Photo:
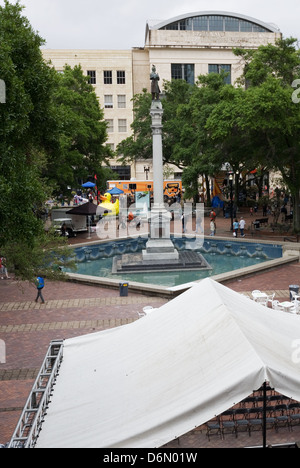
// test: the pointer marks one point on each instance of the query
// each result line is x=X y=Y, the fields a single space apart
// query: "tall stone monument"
x=160 y=253
x=159 y=248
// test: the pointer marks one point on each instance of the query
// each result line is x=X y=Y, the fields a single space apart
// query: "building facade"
x=181 y=48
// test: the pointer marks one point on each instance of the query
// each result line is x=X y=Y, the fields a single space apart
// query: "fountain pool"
x=222 y=255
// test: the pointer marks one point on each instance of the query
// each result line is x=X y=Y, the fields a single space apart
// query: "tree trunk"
x=207 y=184
x=296 y=212
x=196 y=196
x=237 y=189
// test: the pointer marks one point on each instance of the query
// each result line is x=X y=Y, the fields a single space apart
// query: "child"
x=212 y=227
x=235 y=228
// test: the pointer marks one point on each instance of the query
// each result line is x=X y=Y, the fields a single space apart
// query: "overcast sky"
x=120 y=24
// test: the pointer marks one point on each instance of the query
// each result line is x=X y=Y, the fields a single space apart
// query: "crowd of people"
x=237 y=227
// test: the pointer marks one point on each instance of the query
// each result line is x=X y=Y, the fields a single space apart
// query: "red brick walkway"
x=71 y=310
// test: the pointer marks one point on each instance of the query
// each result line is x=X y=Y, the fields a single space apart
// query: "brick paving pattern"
x=72 y=310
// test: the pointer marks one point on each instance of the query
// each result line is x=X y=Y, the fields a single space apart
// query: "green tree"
x=186 y=141
x=192 y=146
x=28 y=128
x=139 y=144
x=25 y=123
x=80 y=150
x=264 y=114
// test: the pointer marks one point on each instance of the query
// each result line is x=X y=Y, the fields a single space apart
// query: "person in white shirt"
x=242 y=226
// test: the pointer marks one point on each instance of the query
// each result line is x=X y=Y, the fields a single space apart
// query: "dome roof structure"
x=214 y=21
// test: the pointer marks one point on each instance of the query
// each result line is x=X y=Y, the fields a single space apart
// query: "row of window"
x=108 y=77
x=215 y=23
x=178 y=71
x=109 y=101
x=122 y=125
x=186 y=71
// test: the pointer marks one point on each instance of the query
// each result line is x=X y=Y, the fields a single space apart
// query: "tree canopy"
x=264 y=115
x=52 y=133
x=79 y=150
x=251 y=125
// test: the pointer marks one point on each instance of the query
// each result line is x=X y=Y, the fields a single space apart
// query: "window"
x=121 y=101
x=245 y=26
x=107 y=74
x=122 y=125
x=186 y=24
x=108 y=101
x=231 y=24
x=200 y=23
x=219 y=68
x=257 y=28
x=110 y=125
x=216 y=23
x=92 y=76
x=183 y=71
x=111 y=146
x=120 y=77
x=172 y=26
x=124 y=172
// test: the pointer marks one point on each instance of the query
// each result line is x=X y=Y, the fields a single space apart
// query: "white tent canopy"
x=143 y=384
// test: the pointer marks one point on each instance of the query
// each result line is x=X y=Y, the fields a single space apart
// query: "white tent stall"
x=148 y=382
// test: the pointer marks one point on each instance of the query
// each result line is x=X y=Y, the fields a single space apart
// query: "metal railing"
x=32 y=417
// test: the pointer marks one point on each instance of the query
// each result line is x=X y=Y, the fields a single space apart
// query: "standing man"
x=40 y=283
x=242 y=226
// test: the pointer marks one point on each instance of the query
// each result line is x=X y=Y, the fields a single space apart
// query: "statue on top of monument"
x=154 y=77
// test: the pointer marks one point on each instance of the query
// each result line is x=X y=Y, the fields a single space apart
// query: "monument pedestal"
x=159 y=248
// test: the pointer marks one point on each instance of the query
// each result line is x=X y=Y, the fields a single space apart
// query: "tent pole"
x=265 y=415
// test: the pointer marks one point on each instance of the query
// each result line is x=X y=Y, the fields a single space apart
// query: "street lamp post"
x=146 y=170
x=230 y=177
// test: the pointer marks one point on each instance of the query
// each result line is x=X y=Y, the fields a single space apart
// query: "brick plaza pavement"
x=71 y=310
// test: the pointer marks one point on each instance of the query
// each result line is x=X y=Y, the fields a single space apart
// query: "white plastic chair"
x=293 y=310
x=254 y=294
x=148 y=309
x=262 y=301
x=259 y=297
x=276 y=305
x=295 y=296
x=270 y=298
x=297 y=305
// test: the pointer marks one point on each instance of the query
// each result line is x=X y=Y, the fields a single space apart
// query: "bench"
x=260 y=221
x=256 y=225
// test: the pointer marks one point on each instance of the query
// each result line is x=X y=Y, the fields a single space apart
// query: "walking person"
x=242 y=226
x=40 y=283
x=235 y=228
x=3 y=269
